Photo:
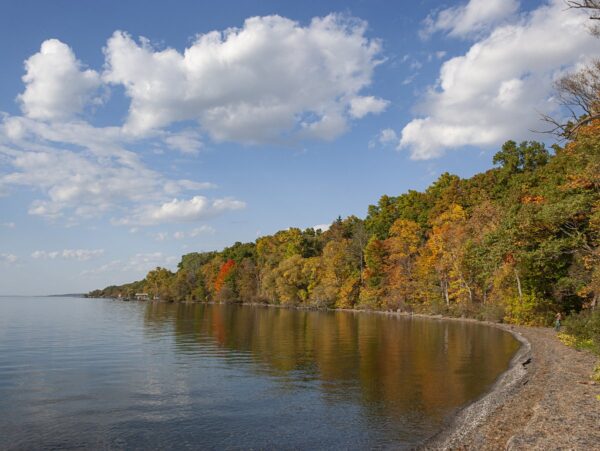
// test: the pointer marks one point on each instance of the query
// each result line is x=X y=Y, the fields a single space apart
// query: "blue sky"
x=133 y=132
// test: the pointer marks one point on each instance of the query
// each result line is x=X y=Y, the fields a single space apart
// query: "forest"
x=517 y=243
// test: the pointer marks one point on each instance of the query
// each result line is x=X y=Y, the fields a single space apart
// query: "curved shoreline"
x=458 y=432
x=548 y=403
x=476 y=413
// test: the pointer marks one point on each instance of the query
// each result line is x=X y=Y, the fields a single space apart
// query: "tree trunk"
x=361 y=268
x=444 y=286
x=519 y=285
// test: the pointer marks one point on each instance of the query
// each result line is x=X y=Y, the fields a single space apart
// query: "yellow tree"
x=337 y=265
x=158 y=282
x=271 y=251
x=443 y=254
x=402 y=247
x=373 y=290
x=295 y=278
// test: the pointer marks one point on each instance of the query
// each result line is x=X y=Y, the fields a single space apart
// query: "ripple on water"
x=92 y=373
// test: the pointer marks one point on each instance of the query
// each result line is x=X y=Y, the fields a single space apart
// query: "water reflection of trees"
x=394 y=365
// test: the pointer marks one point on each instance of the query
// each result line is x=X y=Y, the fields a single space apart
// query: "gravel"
x=548 y=404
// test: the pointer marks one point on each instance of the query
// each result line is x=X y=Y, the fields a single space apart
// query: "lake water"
x=105 y=374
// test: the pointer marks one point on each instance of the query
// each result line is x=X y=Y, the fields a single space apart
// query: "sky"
x=134 y=132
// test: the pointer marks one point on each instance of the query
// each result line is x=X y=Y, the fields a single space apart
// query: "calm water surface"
x=94 y=373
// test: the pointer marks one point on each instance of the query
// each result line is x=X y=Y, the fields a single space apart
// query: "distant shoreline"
x=69 y=295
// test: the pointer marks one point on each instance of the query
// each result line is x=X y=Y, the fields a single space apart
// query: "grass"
x=582 y=330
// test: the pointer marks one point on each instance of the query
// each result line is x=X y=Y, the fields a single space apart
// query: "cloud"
x=182 y=234
x=68 y=254
x=498 y=88
x=361 y=106
x=8 y=225
x=139 y=264
x=75 y=182
x=273 y=79
x=268 y=79
x=8 y=259
x=203 y=229
x=469 y=19
x=176 y=210
x=187 y=142
x=408 y=80
x=57 y=85
x=322 y=227
x=80 y=171
x=385 y=137
x=415 y=65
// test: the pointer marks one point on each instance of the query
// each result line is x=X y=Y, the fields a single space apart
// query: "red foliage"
x=225 y=270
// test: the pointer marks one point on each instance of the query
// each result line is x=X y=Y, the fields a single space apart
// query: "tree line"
x=516 y=243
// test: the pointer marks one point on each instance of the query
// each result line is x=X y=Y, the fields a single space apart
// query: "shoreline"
x=465 y=422
x=473 y=415
x=548 y=403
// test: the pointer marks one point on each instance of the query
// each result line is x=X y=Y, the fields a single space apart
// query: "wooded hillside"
x=517 y=243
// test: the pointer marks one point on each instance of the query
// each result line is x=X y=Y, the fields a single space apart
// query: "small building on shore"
x=142 y=296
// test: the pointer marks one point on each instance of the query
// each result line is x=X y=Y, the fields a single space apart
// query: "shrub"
x=492 y=312
x=529 y=310
x=596 y=374
x=584 y=328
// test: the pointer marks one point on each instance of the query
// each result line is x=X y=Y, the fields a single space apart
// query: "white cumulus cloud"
x=470 y=18
x=269 y=78
x=497 y=90
x=57 y=85
x=181 y=210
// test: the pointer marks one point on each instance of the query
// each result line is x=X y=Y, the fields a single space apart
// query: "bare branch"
x=583 y=122
x=593 y=7
x=579 y=94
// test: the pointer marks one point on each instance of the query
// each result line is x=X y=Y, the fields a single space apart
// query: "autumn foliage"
x=516 y=243
x=224 y=273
